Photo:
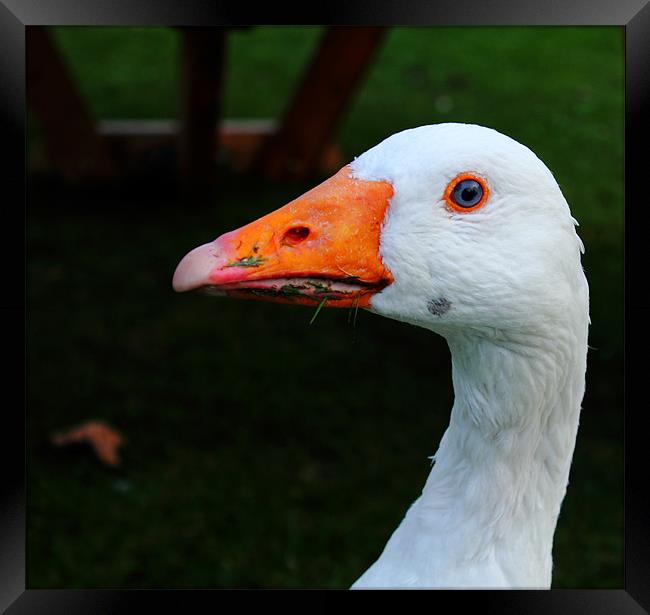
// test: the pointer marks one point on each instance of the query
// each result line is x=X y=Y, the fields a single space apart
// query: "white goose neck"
x=488 y=511
x=503 y=463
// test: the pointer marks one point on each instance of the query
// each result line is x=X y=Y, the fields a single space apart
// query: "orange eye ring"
x=449 y=192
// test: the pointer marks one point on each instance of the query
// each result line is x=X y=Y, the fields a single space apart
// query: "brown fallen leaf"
x=104 y=440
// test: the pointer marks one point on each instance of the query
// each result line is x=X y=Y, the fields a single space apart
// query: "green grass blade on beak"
x=356 y=311
x=318 y=309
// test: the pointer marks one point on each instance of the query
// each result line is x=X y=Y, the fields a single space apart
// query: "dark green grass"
x=261 y=451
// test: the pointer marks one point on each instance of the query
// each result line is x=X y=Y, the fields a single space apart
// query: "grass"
x=261 y=451
x=318 y=309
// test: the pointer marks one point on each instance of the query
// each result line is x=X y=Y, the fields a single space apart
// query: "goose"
x=461 y=230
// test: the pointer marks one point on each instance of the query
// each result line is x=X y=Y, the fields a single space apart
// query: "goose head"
x=452 y=227
x=463 y=231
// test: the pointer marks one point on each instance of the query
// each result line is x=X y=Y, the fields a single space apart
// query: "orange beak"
x=323 y=245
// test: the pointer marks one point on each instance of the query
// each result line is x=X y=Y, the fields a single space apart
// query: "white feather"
x=516 y=325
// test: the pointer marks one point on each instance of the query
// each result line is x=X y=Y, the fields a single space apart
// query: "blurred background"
x=257 y=450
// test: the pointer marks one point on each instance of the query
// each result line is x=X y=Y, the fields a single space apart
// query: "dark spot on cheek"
x=438 y=306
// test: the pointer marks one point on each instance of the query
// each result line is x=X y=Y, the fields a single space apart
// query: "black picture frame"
x=15 y=15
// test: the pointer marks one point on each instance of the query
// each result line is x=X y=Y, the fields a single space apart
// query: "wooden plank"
x=202 y=62
x=66 y=124
x=237 y=142
x=326 y=90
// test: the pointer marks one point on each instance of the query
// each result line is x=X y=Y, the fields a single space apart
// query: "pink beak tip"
x=195 y=267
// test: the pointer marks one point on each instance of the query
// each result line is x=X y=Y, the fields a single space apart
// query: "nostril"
x=295 y=235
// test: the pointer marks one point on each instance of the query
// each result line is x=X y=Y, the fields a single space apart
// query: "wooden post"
x=68 y=128
x=203 y=51
x=325 y=92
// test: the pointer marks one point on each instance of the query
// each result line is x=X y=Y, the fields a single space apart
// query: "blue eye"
x=467 y=193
